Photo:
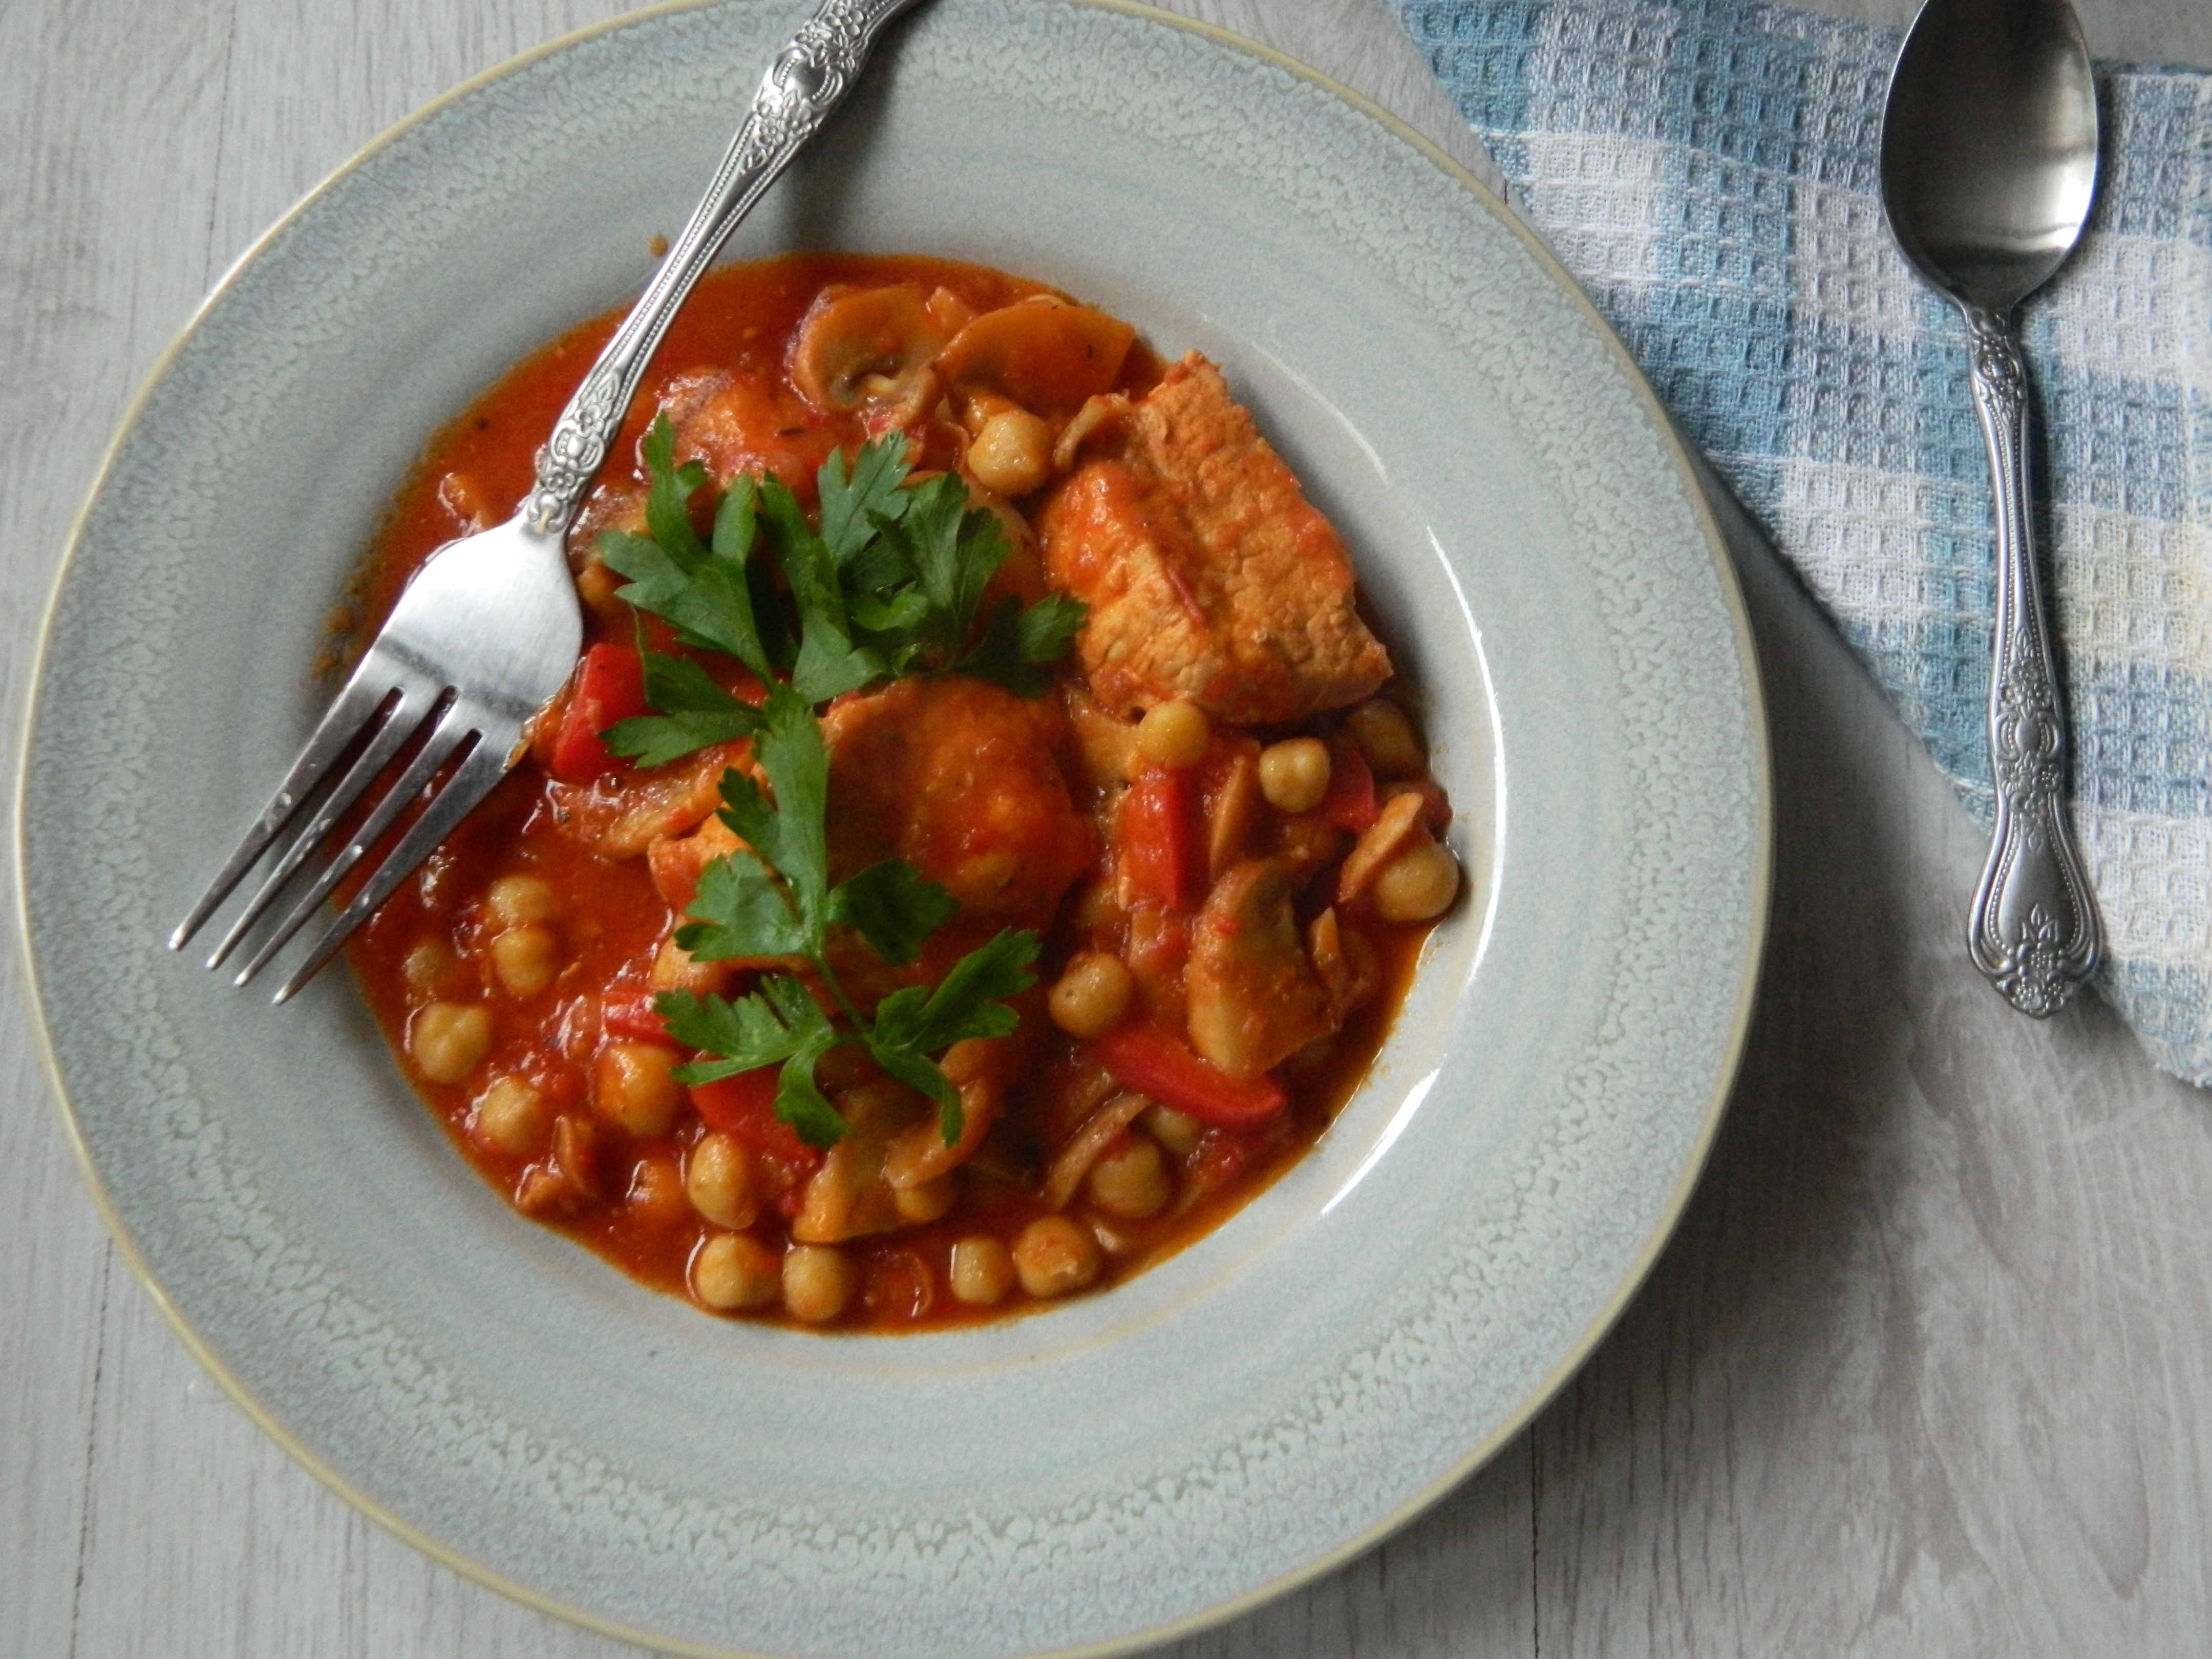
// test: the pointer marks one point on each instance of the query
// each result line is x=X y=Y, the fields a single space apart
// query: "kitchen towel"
x=1708 y=171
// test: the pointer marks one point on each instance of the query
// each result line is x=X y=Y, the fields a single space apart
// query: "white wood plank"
x=312 y=82
x=104 y=254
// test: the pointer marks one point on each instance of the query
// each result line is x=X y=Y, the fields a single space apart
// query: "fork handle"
x=804 y=81
x=2034 y=930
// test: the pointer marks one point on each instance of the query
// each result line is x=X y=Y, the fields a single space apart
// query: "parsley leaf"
x=855 y=505
x=702 y=588
x=741 y=911
x=937 y=557
x=891 y=907
x=912 y=1025
x=829 y=662
x=695 y=714
x=965 y=1003
x=1019 y=641
x=890 y=584
x=780 y=1023
x=789 y=836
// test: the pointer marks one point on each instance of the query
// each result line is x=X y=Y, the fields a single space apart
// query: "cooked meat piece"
x=1208 y=574
x=963 y=780
x=621 y=815
x=737 y=426
x=677 y=861
x=1254 y=997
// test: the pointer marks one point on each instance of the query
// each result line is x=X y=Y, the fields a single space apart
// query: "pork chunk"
x=963 y=780
x=1209 y=574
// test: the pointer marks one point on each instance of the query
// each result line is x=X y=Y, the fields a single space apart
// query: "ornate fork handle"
x=806 y=81
x=2034 y=930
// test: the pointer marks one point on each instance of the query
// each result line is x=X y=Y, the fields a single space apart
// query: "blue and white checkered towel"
x=1708 y=169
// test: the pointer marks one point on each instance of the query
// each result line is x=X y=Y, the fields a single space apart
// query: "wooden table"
x=1927 y=1371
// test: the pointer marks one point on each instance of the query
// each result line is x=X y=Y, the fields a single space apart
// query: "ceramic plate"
x=1125 y=1468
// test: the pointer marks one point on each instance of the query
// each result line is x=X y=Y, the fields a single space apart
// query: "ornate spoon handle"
x=2034 y=930
x=807 y=80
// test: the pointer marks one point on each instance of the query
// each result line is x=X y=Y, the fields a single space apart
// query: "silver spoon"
x=1989 y=160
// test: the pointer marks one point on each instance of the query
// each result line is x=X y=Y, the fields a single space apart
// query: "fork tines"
x=383 y=710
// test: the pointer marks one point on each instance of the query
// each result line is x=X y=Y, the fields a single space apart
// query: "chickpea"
x=1294 y=774
x=513 y=899
x=1178 y=1132
x=426 y=965
x=734 y=1270
x=1011 y=454
x=449 y=1040
x=1092 y=995
x=1130 y=1182
x=1174 y=734
x=1386 y=737
x=1418 y=882
x=525 y=959
x=925 y=1200
x=982 y=1272
x=673 y=970
x=634 y=1089
x=719 y=1179
x=597 y=585
x=512 y=1115
x=1054 y=1255
x=656 y=1192
x=818 y=1280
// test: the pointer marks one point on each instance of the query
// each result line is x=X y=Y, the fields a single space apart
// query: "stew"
x=983 y=844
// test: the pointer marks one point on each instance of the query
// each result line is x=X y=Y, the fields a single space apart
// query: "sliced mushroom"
x=1097 y=415
x=1103 y=738
x=1345 y=961
x=1047 y=354
x=1254 y=997
x=579 y=1172
x=1084 y=1147
x=1398 y=822
x=870 y=346
x=1234 y=813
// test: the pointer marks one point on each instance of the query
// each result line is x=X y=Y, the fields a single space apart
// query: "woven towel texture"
x=1708 y=169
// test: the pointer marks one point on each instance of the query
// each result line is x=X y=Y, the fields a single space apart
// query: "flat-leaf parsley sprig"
x=773 y=898
x=892 y=584
x=889 y=580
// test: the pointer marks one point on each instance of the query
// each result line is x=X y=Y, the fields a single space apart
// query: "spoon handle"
x=2034 y=930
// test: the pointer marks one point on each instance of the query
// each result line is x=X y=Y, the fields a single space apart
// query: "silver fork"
x=486 y=632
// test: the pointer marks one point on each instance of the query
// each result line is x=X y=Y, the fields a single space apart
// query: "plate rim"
x=1679 y=457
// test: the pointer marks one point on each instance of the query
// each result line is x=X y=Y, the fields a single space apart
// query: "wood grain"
x=1925 y=1370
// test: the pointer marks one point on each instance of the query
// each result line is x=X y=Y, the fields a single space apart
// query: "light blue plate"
x=1131 y=1466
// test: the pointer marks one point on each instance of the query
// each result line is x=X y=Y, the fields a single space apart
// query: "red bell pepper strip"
x=628 y=1011
x=1159 y=836
x=1154 y=1063
x=744 y=1108
x=741 y=1105
x=1350 y=802
x=609 y=689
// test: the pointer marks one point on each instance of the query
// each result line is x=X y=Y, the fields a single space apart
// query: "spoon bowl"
x=1988 y=146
